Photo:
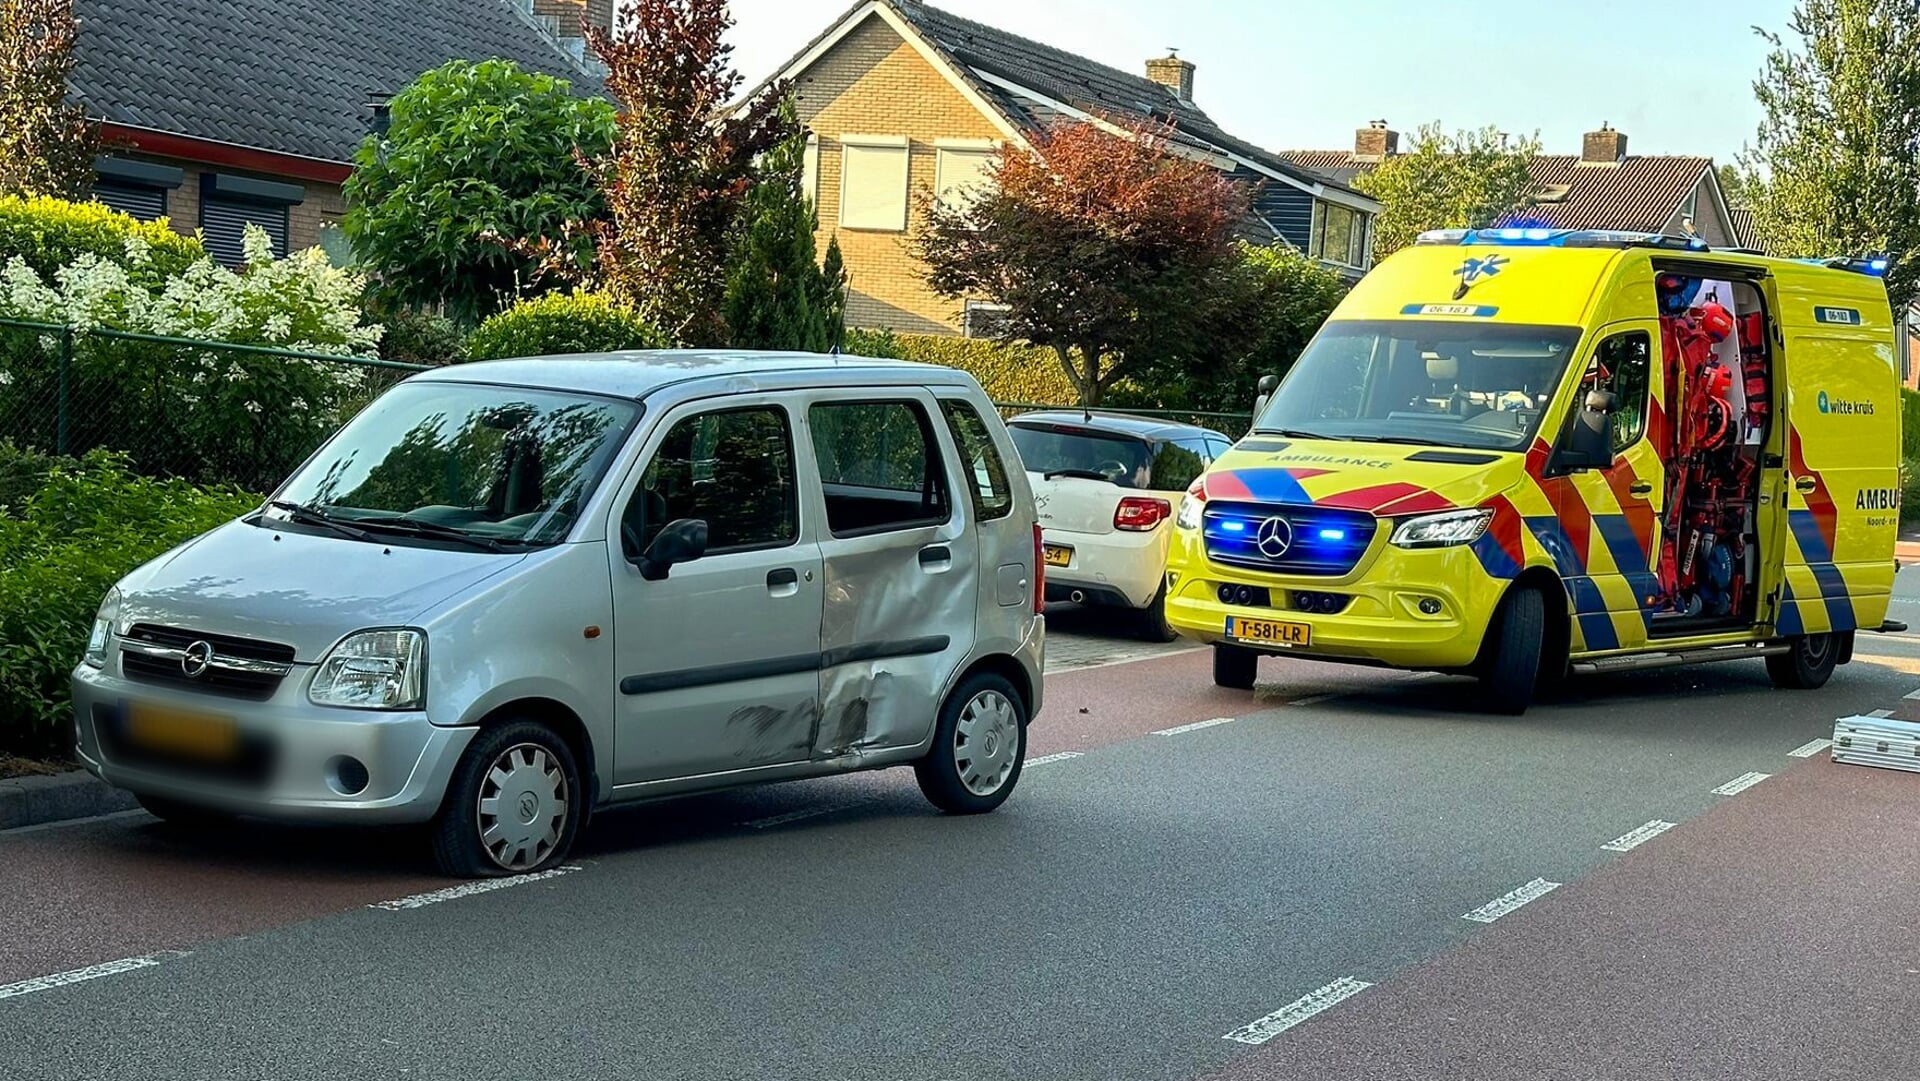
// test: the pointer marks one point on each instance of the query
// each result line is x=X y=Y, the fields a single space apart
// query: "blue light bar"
x=1561 y=238
x=1333 y=534
x=1873 y=266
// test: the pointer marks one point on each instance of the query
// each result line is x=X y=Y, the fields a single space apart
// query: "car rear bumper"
x=1122 y=568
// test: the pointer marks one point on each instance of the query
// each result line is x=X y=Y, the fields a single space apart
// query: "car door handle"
x=1806 y=484
x=783 y=582
x=935 y=554
x=1640 y=488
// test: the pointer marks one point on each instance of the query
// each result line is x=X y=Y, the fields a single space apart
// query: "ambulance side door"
x=1615 y=512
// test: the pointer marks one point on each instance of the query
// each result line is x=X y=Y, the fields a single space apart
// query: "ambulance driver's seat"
x=1445 y=370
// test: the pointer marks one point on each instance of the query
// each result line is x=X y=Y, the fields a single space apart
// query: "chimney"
x=1173 y=73
x=1375 y=142
x=1603 y=147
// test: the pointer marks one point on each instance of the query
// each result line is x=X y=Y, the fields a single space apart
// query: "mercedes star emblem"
x=1274 y=537
x=196 y=659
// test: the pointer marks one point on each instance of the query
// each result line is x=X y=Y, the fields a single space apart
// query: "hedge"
x=1010 y=373
x=51 y=233
x=561 y=323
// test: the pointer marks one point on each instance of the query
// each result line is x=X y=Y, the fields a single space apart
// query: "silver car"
x=509 y=593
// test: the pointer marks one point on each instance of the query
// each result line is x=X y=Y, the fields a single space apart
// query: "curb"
x=1907 y=551
x=30 y=801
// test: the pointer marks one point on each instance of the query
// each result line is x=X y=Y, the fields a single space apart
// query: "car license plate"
x=1268 y=632
x=183 y=732
x=1058 y=555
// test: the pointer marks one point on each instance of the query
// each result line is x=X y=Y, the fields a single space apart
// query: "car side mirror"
x=1589 y=441
x=1267 y=385
x=682 y=540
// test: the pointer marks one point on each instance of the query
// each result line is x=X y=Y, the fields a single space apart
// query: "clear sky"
x=1675 y=75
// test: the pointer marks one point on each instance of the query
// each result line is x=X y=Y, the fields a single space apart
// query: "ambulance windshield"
x=1422 y=382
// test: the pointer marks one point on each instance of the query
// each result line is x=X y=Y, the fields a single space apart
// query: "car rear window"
x=1056 y=448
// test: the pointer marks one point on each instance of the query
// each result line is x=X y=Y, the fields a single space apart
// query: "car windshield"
x=1423 y=382
x=1066 y=450
x=504 y=465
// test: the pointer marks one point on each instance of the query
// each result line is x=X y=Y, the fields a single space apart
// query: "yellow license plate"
x=182 y=732
x=1058 y=555
x=1269 y=632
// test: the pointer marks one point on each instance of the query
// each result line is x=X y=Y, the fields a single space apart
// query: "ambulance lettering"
x=1877 y=499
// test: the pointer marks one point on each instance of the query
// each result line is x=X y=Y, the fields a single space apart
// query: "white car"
x=1106 y=486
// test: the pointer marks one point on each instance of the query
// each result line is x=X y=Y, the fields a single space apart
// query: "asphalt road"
x=1145 y=895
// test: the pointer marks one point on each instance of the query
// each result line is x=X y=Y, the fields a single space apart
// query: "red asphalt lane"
x=87 y=893
x=1776 y=936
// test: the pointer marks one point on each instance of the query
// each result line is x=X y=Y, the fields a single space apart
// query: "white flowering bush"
x=211 y=413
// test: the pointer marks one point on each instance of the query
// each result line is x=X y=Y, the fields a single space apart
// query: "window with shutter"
x=962 y=175
x=141 y=202
x=873 y=183
x=224 y=222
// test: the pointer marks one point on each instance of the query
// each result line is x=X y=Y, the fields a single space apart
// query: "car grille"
x=1321 y=541
x=251 y=766
x=239 y=667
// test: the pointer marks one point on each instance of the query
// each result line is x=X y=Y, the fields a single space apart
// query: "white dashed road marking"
x=1741 y=784
x=78 y=975
x=1500 y=906
x=1881 y=713
x=1060 y=756
x=454 y=893
x=1629 y=841
x=1194 y=727
x=1810 y=748
x=1266 y=1028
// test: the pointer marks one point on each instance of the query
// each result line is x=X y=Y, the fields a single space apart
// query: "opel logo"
x=529 y=806
x=196 y=659
x=1274 y=537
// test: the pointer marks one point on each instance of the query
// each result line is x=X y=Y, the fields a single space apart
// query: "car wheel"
x=1807 y=665
x=978 y=747
x=1153 y=618
x=513 y=805
x=175 y=813
x=1511 y=667
x=1234 y=667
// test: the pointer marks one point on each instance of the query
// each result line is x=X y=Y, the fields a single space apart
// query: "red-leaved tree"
x=681 y=166
x=47 y=143
x=1108 y=249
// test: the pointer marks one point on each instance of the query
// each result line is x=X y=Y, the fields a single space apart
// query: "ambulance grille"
x=1298 y=539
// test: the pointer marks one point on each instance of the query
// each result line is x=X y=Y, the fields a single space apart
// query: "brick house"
x=232 y=112
x=903 y=98
x=1602 y=187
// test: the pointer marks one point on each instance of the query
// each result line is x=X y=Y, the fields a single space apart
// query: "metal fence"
x=1231 y=425
x=212 y=412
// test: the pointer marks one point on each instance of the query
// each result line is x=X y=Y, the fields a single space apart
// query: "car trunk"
x=1080 y=476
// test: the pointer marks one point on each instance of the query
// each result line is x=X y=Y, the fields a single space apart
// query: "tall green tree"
x=778 y=297
x=480 y=168
x=682 y=163
x=47 y=144
x=1836 y=170
x=1464 y=180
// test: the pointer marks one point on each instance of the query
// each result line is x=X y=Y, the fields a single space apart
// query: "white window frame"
x=967 y=329
x=851 y=147
x=945 y=150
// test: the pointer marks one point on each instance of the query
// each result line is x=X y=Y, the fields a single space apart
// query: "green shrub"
x=417 y=337
x=1009 y=372
x=51 y=233
x=22 y=472
x=561 y=323
x=89 y=523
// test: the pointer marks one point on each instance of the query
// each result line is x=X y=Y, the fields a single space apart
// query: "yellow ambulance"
x=1519 y=453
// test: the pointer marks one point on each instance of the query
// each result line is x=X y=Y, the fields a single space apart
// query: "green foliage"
x=420 y=337
x=778 y=296
x=1469 y=179
x=1837 y=167
x=1010 y=372
x=562 y=323
x=47 y=143
x=86 y=525
x=48 y=233
x=480 y=158
x=22 y=472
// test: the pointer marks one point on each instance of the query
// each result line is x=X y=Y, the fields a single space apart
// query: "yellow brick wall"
x=874 y=83
x=324 y=203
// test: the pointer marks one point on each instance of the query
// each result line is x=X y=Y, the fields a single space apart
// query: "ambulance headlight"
x=1442 y=530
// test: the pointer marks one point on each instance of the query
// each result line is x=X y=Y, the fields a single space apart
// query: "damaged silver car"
x=507 y=594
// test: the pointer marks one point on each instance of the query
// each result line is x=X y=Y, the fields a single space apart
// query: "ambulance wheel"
x=1807 y=665
x=1234 y=667
x=1511 y=666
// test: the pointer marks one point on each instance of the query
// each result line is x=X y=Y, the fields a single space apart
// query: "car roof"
x=639 y=372
x=1116 y=423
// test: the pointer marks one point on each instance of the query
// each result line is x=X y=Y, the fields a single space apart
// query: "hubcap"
x=1813 y=648
x=986 y=743
x=523 y=806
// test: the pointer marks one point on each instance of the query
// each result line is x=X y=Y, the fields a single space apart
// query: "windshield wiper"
x=421 y=527
x=1083 y=474
x=1410 y=440
x=1291 y=433
x=305 y=515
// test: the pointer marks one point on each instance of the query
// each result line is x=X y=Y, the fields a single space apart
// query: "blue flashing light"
x=1333 y=534
x=1541 y=236
x=1873 y=266
x=1234 y=525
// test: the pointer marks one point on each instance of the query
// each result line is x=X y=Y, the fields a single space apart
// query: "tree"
x=1467 y=180
x=1733 y=184
x=476 y=153
x=1105 y=248
x=681 y=165
x=778 y=297
x=47 y=144
x=1837 y=168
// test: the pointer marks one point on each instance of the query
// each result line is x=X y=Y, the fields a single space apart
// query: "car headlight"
x=383 y=669
x=1191 y=506
x=1443 y=530
x=102 y=633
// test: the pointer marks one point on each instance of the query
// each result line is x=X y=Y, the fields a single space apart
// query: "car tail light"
x=1139 y=513
x=1039 y=571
